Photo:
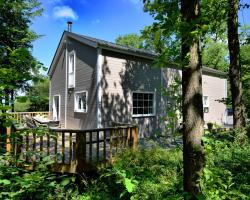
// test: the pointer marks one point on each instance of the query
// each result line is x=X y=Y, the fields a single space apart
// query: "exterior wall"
x=85 y=79
x=215 y=89
x=123 y=75
x=57 y=86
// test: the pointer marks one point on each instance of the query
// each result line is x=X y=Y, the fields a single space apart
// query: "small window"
x=205 y=104
x=81 y=102
x=71 y=70
x=143 y=104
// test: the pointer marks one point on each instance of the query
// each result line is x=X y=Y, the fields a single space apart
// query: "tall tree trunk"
x=193 y=151
x=235 y=66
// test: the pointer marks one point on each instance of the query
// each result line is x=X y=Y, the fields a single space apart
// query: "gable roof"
x=94 y=42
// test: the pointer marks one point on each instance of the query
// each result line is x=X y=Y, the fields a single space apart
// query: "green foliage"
x=38 y=95
x=245 y=60
x=20 y=106
x=174 y=106
x=215 y=54
x=157 y=173
x=19 y=183
x=146 y=174
x=226 y=175
x=130 y=40
x=17 y=65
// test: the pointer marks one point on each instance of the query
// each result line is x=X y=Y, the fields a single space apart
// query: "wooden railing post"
x=8 y=139
x=80 y=156
x=134 y=138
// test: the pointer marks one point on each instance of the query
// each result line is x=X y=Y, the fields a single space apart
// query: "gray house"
x=95 y=83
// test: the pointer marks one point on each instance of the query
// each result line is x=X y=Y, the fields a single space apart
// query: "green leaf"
x=129 y=185
x=65 y=182
x=5 y=182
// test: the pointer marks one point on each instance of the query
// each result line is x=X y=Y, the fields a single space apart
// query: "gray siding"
x=58 y=85
x=123 y=75
x=85 y=79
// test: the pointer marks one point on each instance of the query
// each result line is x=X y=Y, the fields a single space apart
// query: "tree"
x=245 y=63
x=235 y=65
x=192 y=107
x=38 y=95
x=18 y=66
x=215 y=54
x=182 y=29
x=130 y=40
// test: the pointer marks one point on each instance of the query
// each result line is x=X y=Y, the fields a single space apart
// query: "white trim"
x=99 y=64
x=59 y=107
x=74 y=69
x=75 y=103
x=154 y=104
x=66 y=84
x=50 y=104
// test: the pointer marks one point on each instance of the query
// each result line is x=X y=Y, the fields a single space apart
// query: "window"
x=71 y=70
x=205 y=104
x=81 y=101
x=56 y=107
x=143 y=104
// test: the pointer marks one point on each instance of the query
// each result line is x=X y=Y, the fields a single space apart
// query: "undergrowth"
x=153 y=173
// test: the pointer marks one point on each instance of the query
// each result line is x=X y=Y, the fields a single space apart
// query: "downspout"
x=66 y=84
x=99 y=64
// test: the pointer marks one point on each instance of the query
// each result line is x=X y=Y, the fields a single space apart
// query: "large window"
x=81 y=101
x=143 y=104
x=205 y=104
x=71 y=70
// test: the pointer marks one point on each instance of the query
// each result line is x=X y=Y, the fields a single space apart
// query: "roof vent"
x=69 y=26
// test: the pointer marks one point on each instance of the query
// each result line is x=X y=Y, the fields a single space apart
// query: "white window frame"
x=207 y=105
x=54 y=107
x=74 y=69
x=76 y=103
x=154 y=104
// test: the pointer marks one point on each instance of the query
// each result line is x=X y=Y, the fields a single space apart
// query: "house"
x=95 y=83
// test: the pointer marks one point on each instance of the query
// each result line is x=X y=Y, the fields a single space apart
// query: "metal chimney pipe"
x=69 y=26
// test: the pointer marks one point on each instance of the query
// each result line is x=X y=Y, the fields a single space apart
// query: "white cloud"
x=64 y=12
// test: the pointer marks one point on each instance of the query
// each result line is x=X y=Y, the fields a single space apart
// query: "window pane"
x=151 y=96
x=135 y=96
x=140 y=96
x=146 y=103
x=146 y=96
x=135 y=111
x=145 y=110
x=150 y=111
x=71 y=63
x=140 y=111
x=150 y=103
x=140 y=103
x=135 y=103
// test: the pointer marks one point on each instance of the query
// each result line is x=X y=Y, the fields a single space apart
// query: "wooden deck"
x=72 y=150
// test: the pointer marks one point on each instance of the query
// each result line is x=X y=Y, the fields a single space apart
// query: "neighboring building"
x=94 y=83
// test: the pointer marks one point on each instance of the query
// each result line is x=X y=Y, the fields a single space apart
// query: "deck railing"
x=19 y=116
x=74 y=150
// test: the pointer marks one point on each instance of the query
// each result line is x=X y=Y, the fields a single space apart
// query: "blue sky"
x=103 y=19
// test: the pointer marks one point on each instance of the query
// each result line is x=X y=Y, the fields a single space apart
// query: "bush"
x=145 y=174
x=20 y=183
x=226 y=175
